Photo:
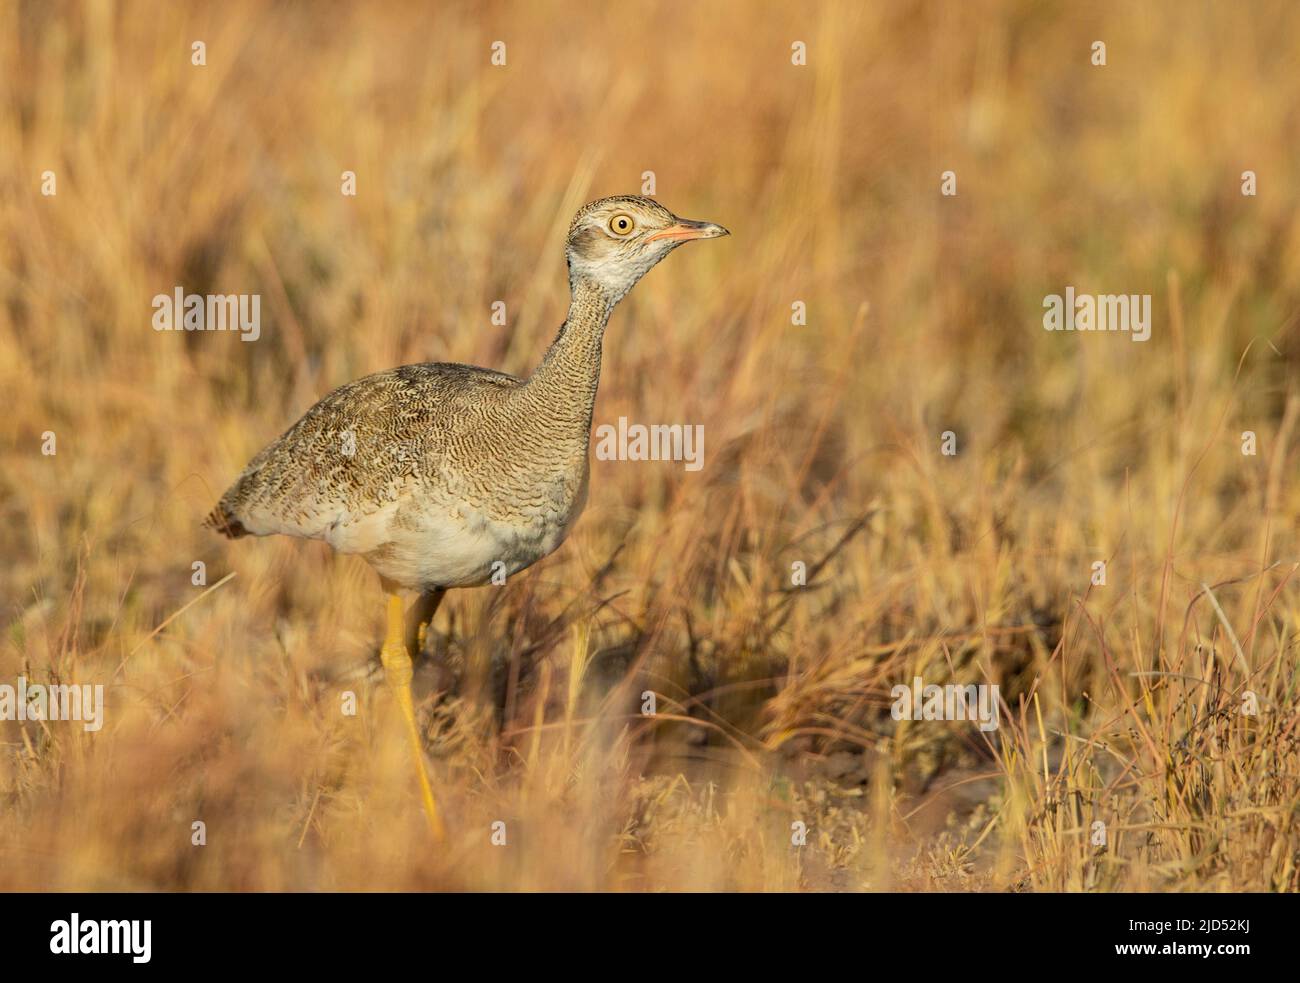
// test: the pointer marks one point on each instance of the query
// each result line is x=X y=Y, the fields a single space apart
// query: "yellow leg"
x=419 y=618
x=398 y=672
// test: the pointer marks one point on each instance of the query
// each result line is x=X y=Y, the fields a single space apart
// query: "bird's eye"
x=621 y=224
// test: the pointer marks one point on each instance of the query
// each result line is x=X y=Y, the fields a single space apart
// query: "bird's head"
x=614 y=242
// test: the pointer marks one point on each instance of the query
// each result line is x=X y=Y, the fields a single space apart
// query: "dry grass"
x=822 y=443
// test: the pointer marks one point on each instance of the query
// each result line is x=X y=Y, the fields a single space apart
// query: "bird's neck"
x=563 y=386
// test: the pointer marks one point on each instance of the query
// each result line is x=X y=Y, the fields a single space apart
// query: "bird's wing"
x=341 y=471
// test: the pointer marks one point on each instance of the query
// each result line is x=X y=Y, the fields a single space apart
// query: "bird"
x=443 y=475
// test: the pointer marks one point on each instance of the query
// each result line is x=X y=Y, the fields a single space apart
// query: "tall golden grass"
x=822 y=444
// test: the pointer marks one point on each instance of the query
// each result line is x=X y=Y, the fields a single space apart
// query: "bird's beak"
x=685 y=229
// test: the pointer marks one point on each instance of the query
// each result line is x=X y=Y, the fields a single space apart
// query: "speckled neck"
x=563 y=386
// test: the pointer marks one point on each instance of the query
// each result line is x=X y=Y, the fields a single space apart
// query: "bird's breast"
x=460 y=532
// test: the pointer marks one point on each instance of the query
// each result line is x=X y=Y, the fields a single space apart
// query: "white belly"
x=463 y=548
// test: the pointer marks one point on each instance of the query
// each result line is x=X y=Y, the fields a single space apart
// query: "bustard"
x=441 y=475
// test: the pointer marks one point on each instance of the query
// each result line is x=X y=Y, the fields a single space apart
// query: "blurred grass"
x=924 y=315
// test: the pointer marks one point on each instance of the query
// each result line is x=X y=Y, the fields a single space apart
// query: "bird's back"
x=361 y=448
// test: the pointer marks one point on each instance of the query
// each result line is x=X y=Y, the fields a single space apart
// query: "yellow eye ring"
x=621 y=224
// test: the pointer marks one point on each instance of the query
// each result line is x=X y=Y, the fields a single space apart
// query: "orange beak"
x=684 y=230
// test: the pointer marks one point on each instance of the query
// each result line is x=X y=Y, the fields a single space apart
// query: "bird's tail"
x=223 y=522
